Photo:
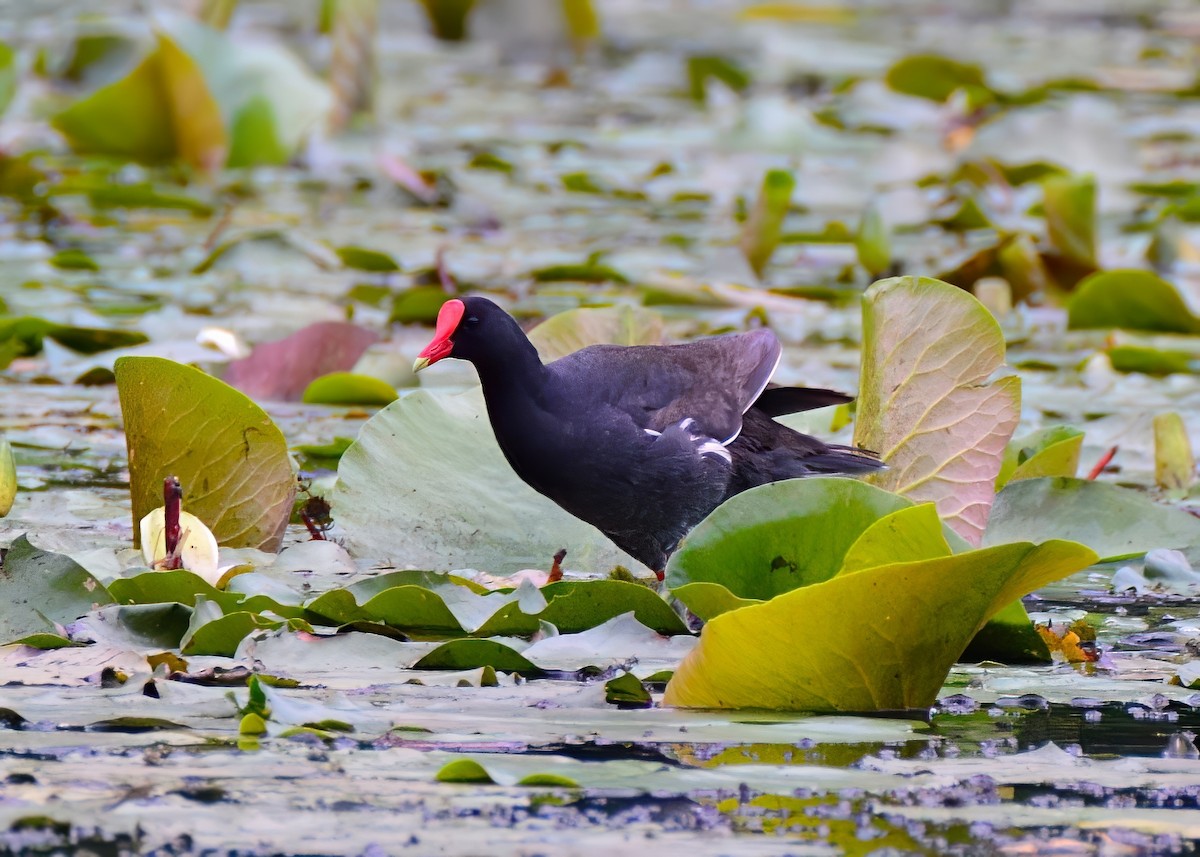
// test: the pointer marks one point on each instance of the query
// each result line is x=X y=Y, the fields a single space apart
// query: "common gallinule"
x=640 y=441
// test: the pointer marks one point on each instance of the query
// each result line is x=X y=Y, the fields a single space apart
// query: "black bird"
x=640 y=441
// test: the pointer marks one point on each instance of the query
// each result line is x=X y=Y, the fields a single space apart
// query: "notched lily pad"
x=229 y=456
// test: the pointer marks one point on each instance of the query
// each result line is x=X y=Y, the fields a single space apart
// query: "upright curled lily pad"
x=229 y=456
x=1050 y=452
x=927 y=403
x=8 y=478
x=877 y=639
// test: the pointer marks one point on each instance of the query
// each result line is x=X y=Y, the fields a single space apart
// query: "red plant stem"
x=172 y=501
x=1102 y=463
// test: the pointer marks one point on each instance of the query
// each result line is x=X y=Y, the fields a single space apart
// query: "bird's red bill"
x=448 y=318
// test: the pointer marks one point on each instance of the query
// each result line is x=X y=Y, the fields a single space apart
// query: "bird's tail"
x=844 y=459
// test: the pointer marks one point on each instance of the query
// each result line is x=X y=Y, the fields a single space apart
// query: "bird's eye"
x=471 y=321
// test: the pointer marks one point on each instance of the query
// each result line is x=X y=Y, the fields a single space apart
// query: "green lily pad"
x=585 y=272
x=1115 y=522
x=8 y=477
x=468 y=654
x=933 y=77
x=346 y=388
x=415 y=608
x=22 y=336
x=184 y=587
x=222 y=635
x=39 y=589
x=701 y=68
x=764 y=226
x=1069 y=203
x=576 y=605
x=365 y=259
x=1052 y=451
x=707 y=600
x=911 y=621
x=464 y=771
x=1131 y=300
x=1174 y=462
x=73 y=259
x=570 y=331
x=418 y=305
x=1153 y=361
x=626 y=690
x=927 y=403
x=230 y=458
x=8 y=76
x=777 y=537
x=873 y=241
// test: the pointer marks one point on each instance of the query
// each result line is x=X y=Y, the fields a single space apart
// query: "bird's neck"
x=513 y=371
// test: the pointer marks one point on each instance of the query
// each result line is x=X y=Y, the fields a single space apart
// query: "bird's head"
x=462 y=330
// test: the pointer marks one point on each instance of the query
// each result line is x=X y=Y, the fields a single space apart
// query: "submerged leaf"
x=927 y=403
x=230 y=458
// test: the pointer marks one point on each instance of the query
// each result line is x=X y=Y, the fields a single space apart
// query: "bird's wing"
x=712 y=381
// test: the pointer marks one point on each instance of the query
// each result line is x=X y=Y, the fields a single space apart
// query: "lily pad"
x=933 y=77
x=764 y=226
x=1131 y=300
x=707 y=600
x=39 y=589
x=468 y=654
x=8 y=477
x=1115 y=522
x=777 y=537
x=365 y=259
x=1050 y=452
x=927 y=403
x=347 y=388
x=230 y=458
x=426 y=481
x=567 y=332
x=872 y=640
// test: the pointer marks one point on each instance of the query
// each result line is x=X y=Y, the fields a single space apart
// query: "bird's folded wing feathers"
x=712 y=381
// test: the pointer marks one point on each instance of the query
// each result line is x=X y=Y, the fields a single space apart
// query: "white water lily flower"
x=198 y=546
